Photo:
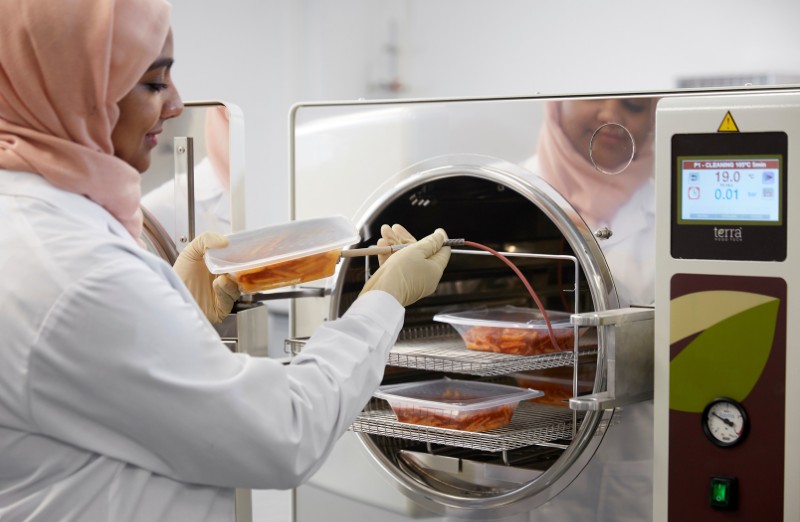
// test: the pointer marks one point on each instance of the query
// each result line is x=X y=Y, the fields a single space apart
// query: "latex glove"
x=414 y=271
x=394 y=235
x=214 y=293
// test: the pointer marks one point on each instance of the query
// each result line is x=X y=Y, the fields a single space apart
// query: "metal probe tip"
x=447 y=242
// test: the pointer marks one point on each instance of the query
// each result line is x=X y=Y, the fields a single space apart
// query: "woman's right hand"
x=413 y=272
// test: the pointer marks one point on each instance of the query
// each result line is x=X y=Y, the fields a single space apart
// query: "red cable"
x=527 y=285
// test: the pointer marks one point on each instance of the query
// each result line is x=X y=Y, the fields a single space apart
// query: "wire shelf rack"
x=531 y=425
x=432 y=350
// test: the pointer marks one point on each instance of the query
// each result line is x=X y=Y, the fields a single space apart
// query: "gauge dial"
x=725 y=422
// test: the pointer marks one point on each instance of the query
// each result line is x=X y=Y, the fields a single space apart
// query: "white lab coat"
x=118 y=402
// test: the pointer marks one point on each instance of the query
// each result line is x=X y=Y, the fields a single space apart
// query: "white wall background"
x=265 y=55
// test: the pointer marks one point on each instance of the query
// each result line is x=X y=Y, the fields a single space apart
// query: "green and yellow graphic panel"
x=729 y=337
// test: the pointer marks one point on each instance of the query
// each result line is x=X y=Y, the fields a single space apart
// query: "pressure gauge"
x=725 y=422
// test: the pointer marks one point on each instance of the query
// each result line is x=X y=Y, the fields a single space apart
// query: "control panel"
x=726 y=273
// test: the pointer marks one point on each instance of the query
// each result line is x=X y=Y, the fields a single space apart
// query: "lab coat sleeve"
x=126 y=366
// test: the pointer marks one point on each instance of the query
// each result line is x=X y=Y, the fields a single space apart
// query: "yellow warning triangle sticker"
x=728 y=125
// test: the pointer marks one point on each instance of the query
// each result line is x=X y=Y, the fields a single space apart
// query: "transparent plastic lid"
x=454 y=395
x=278 y=243
x=506 y=317
x=525 y=379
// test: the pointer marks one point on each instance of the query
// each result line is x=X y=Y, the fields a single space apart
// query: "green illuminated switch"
x=723 y=494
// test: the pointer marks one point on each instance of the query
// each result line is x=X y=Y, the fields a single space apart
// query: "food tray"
x=283 y=255
x=455 y=404
x=557 y=392
x=532 y=424
x=511 y=330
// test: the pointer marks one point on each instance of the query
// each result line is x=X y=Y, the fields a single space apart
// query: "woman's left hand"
x=215 y=294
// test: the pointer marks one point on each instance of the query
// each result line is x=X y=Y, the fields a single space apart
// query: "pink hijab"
x=217 y=142
x=595 y=195
x=64 y=65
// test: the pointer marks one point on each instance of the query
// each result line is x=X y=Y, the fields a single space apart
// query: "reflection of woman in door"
x=211 y=183
x=616 y=484
x=624 y=202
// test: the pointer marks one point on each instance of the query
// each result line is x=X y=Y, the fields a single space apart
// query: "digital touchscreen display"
x=744 y=190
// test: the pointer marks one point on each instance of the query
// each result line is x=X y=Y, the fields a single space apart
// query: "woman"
x=607 y=186
x=118 y=401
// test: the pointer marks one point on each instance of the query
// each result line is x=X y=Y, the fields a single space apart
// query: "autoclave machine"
x=464 y=165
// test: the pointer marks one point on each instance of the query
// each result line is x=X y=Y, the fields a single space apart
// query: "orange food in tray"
x=556 y=383
x=455 y=404
x=511 y=330
x=517 y=341
x=485 y=420
x=283 y=255
x=556 y=393
x=292 y=272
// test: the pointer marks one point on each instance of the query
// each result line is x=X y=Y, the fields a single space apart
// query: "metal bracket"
x=628 y=353
x=184 y=191
x=294 y=293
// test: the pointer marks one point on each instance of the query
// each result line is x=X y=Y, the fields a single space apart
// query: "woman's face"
x=611 y=146
x=142 y=111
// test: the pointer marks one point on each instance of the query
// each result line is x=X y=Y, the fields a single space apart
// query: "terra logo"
x=728 y=234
